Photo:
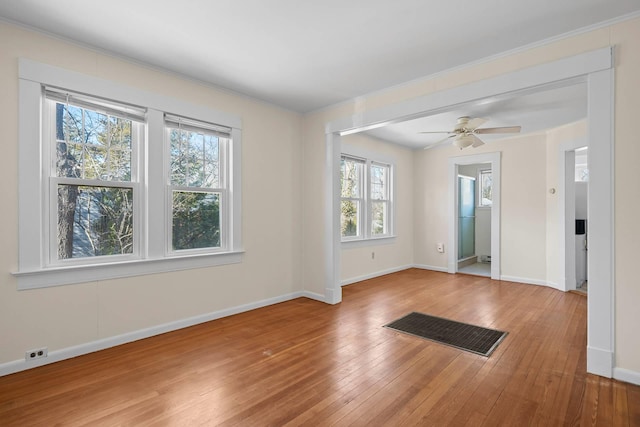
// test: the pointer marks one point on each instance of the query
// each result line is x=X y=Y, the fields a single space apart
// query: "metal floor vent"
x=475 y=339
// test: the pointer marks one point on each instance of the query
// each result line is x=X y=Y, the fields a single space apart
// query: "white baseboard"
x=374 y=275
x=431 y=267
x=529 y=281
x=314 y=296
x=90 y=347
x=626 y=375
x=599 y=362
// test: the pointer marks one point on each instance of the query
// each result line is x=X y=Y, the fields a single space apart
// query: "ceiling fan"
x=465 y=131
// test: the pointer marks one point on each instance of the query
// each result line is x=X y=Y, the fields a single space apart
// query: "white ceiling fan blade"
x=438 y=131
x=475 y=123
x=506 y=129
x=442 y=141
x=477 y=142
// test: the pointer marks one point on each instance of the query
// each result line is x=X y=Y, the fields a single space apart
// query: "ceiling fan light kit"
x=465 y=131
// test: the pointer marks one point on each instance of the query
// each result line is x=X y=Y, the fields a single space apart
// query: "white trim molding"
x=529 y=281
x=626 y=375
x=373 y=275
x=431 y=267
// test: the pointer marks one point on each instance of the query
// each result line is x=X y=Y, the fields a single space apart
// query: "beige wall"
x=625 y=37
x=65 y=316
x=356 y=262
x=523 y=202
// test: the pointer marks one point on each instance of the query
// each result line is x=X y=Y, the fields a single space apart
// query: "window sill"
x=57 y=276
x=371 y=241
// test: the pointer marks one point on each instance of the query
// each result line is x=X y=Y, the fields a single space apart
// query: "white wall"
x=390 y=255
x=625 y=36
x=66 y=316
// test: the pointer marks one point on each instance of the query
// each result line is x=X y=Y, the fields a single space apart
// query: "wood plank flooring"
x=304 y=363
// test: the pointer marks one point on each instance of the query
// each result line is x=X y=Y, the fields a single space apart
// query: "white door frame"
x=596 y=68
x=567 y=190
x=492 y=159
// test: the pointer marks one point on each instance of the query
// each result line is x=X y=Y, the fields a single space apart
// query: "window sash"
x=224 y=140
x=51 y=256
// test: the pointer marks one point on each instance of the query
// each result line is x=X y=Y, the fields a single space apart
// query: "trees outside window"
x=93 y=184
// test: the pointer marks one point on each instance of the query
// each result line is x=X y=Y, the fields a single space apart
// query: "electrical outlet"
x=440 y=247
x=38 y=353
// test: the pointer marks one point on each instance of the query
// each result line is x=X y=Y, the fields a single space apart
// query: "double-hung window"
x=366 y=202
x=198 y=179
x=92 y=148
x=117 y=182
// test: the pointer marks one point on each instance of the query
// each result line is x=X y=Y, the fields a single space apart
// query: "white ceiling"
x=535 y=111
x=305 y=55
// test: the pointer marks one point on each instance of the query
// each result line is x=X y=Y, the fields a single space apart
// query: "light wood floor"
x=306 y=363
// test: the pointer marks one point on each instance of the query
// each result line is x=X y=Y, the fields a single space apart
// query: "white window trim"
x=369 y=157
x=33 y=271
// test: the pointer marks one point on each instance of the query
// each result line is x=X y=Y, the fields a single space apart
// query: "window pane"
x=378 y=218
x=349 y=218
x=195 y=159
x=94 y=221
x=351 y=178
x=92 y=145
x=196 y=220
x=485 y=188
x=379 y=184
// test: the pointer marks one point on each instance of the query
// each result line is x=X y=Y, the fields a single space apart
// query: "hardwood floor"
x=306 y=363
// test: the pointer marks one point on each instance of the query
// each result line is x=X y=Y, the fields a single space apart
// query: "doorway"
x=474 y=219
x=574 y=215
x=466 y=235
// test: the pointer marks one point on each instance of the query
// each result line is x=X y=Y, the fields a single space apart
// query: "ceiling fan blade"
x=506 y=129
x=442 y=141
x=438 y=131
x=477 y=142
x=475 y=123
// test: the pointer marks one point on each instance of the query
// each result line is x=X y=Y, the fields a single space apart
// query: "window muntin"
x=92 y=180
x=365 y=209
x=197 y=186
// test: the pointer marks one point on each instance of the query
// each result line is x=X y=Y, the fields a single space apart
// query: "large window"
x=112 y=185
x=365 y=208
